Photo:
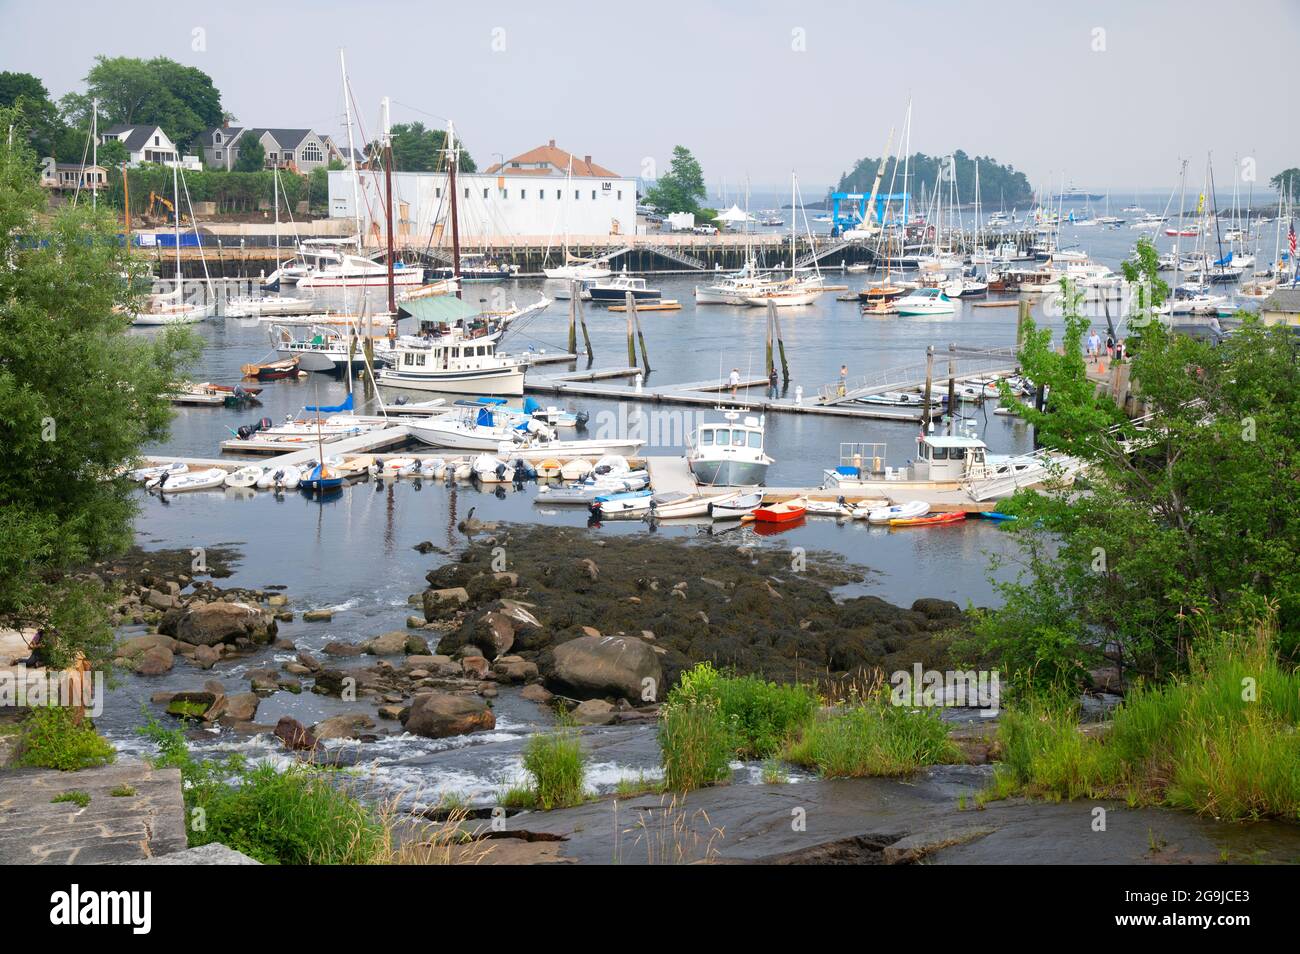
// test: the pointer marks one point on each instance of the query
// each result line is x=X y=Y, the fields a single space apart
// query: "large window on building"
x=311 y=153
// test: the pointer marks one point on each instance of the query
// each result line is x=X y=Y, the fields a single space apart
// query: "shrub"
x=1222 y=740
x=762 y=715
x=80 y=799
x=52 y=738
x=298 y=816
x=872 y=738
x=556 y=763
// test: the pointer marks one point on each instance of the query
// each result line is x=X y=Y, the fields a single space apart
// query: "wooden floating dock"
x=668 y=304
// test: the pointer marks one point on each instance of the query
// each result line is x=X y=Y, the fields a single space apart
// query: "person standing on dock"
x=844 y=379
x=1094 y=344
x=772 y=384
x=734 y=380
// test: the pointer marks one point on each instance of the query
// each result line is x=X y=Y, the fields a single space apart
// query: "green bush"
x=872 y=738
x=80 y=799
x=762 y=715
x=51 y=738
x=695 y=743
x=298 y=816
x=1222 y=740
x=558 y=767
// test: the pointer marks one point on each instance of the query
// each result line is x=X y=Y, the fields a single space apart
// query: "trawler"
x=729 y=452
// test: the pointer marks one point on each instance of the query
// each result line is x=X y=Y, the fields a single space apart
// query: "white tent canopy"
x=734 y=214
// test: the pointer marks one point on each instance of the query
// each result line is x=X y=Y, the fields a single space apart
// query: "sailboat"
x=171 y=308
x=573 y=268
x=795 y=290
x=321 y=479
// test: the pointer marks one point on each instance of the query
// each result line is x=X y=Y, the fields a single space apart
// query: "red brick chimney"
x=552 y=143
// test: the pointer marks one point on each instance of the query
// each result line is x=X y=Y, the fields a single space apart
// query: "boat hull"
x=729 y=473
x=485 y=381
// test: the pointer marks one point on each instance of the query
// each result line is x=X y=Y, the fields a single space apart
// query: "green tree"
x=113 y=154
x=999 y=184
x=181 y=99
x=1188 y=521
x=1287 y=181
x=682 y=188
x=38 y=114
x=417 y=149
x=78 y=399
x=252 y=155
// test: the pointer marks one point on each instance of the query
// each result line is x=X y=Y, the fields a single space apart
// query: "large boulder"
x=437 y=715
x=444 y=603
x=294 y=734
x=494 y=634
x=597 y=666
x=206 y=624
x=350 y=725
x=154 y=661
x=130 y=648
x=241 y=707
x=387 y=644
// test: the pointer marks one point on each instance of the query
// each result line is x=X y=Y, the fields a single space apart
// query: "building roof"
x=227 y=133
x=286 y=138
x=137 y=138
x=1283 y=299
x=559 y=161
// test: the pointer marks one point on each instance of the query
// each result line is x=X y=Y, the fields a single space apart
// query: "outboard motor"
x=401 y=399
x=581 y=418
x=501 y=471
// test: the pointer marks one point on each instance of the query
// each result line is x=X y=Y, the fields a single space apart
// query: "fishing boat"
x=272 y=370
x=934 y=519
x=786 y=512
x=903 y=511
x=730 y=452
x=326 y=350
x=454 y=365
x=616 y=289
x=926 y=301
x=734 y=508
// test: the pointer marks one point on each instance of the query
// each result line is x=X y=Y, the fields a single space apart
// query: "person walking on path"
x=1094 y=344
x=844 y=379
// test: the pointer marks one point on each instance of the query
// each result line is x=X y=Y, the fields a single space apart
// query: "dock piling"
x=631 y=342
x=582 y=320
x=926 y=420
x=640 y=337
x=573 y=317
x=952 y=387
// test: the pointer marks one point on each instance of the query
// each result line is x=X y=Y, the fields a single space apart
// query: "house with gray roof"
x=143 y=143
x=1282 y=307
x=300 y=150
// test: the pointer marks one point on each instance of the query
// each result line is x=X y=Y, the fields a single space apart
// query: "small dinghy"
x=568 y=495
x=145 y=474
x=549 y=467
x=244 y=477
x=933 y=520
x=492 y=470
x=903 y=511
x=742 y=504
x=285 y=477
x=625 y=502
x=167 y=483
x=829 y=508
x=463 y=470
x=272 y=370
x=575 y=469
x=786 y=512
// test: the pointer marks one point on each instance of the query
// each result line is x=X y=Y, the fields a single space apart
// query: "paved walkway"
x=110 y=829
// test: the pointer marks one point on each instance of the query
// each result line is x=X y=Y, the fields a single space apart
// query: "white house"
x=530 y=195
x=146 y=144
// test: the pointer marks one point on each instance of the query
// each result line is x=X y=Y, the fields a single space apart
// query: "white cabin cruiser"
x=454 y=365
x=729 y=452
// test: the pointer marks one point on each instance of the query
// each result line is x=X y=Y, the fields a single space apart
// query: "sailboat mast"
x=94 y=147
x=176 y=226
x=455 y=220
x=352 y=152
x=386 y=126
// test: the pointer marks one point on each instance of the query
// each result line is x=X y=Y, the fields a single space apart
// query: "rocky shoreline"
x=601 y=628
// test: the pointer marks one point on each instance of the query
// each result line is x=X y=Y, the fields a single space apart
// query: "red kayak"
x=782 y=512
x=932 y=520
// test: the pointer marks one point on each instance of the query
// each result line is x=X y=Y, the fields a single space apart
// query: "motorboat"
x=903 y=511
x=786 y=512
x=266 y=306
x=616 y=290
x=730 y=452
x=476 y=267
x=454 y=365
x=926 y=301
x=169 y=482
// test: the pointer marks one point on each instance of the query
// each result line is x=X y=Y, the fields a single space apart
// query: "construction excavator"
x=150 y=215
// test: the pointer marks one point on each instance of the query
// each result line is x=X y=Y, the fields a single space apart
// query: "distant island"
x=999 y=184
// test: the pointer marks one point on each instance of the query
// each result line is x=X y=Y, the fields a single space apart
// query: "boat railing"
x=862 y=458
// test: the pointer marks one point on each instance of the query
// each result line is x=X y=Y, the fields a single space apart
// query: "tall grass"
x=695 y=743
x=872 y=738
x=557 y=766
x=1222 y=740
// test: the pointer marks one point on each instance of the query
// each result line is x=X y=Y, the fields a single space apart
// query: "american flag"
x=1291 y=238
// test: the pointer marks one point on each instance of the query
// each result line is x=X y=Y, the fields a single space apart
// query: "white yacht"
x=926 y=301
x=356 y=271
x=736 y=288
x=729 y=452
x=454 y=364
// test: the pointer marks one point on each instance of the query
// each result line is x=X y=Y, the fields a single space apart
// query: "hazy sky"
x=1107 y=95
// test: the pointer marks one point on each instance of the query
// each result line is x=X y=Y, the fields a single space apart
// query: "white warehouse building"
x=529 y=196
